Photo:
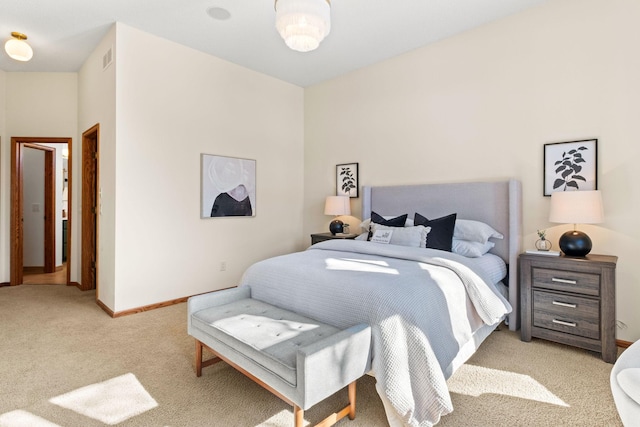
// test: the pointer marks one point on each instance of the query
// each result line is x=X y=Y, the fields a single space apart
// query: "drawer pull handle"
x=562 y=322
x=570 y=282
x=564 y=304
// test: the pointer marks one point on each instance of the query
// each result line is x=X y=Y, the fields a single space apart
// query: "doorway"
x=39 y=188
x=19 y=147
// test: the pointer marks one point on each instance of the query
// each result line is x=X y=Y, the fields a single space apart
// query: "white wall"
x=481 y=105
x=33 y=216
x=36 y=105
x=172 y=104
x=97 y=101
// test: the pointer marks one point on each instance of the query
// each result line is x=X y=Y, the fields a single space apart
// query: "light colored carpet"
x=64 y=362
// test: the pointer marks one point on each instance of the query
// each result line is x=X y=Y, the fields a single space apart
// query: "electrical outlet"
x=223 y=266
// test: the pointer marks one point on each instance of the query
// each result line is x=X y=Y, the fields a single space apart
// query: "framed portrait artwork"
x=347 y=180
x=228 y=187
x=571 y=166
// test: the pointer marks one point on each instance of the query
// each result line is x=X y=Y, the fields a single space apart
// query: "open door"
x=90 y=208
x=49 y=211
x=17 y=205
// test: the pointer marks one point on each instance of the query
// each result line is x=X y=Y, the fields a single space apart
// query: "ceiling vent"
x=107 y=59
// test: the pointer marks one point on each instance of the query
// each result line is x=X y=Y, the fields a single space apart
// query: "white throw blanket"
x=416 y=301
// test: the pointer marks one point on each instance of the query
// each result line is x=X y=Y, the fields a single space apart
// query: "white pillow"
x=367 y=222
x=474 y=231
x=470 y=249
x=415 y=236
x=629 y=380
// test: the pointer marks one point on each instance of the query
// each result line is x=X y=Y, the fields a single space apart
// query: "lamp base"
x=575 y=243
x=336 y=226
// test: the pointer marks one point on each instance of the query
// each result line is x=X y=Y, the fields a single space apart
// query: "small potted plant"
x=542 y=244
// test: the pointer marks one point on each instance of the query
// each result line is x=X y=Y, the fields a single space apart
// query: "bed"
x=429 y=309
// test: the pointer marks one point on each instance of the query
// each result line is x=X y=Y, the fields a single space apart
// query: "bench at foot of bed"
x=300 y=360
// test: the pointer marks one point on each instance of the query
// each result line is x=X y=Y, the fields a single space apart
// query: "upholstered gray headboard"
x=498 y=204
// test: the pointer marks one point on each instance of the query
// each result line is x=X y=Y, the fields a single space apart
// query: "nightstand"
x=321 y=237
x=570 y=301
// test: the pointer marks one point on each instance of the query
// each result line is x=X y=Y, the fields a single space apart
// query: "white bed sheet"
x=492 y=265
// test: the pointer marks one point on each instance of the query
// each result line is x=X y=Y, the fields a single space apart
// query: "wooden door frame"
x=90 y=207
x=17 y=204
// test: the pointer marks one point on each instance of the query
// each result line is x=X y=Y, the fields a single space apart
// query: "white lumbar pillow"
x=629 y=380
x=415 y=236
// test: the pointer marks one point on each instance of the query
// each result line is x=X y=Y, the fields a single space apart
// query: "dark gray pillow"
x=441 y=234
x=393 y=222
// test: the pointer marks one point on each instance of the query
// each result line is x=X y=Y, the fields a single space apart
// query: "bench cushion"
x=269 y=335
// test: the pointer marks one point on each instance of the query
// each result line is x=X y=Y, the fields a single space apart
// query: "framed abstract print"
x=228 y=187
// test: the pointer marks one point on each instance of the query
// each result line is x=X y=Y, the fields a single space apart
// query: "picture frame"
x=228 y=186
x=570 y=166
x=347 y=180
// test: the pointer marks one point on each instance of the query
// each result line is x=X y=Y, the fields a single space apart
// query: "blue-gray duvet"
x=423 y=305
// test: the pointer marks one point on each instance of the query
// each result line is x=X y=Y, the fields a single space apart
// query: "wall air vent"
x=107 y=59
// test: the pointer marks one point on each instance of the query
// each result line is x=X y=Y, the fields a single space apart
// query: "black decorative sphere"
x=336 y=226
x=575 y=243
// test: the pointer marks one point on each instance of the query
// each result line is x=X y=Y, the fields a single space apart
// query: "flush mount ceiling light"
x=303 y=24
x=17 y=48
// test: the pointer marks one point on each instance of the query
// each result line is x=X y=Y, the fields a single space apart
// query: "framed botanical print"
x=571 y=166
x=347 y=180
x=228 y=187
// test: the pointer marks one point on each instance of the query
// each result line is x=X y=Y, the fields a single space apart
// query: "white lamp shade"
x=303 y=24
x=576 y=207
x=337 y=205
x=18 y=49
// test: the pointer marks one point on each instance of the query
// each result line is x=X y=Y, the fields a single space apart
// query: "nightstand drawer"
x=567 y=313
x=567 y=281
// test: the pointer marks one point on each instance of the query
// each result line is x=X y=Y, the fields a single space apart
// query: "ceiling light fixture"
x=17 y=48
x=303 y=24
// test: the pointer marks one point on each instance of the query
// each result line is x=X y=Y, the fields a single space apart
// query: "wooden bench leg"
x=352 y=400
x=198 y=358
x=298 y=416
x=349 y=410
x=203 y=364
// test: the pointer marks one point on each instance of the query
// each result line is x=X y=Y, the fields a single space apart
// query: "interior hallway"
x=36 y=277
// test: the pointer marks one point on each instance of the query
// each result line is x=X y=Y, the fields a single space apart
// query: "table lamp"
x=576 y=207
x=337 y=205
